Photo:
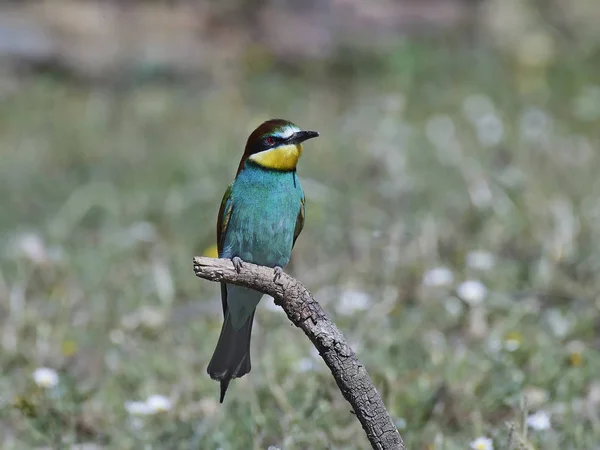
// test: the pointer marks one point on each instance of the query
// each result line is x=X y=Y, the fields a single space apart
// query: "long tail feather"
x=231 y=358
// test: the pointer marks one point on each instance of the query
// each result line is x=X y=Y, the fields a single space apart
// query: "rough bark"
x=304 y=311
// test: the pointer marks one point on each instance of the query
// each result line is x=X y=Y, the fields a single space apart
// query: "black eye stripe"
x=271 y=141
x=264 y=144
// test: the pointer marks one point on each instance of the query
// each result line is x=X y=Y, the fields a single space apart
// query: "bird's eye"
x=270 y=140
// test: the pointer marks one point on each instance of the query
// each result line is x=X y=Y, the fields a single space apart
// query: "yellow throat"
x=284 y=157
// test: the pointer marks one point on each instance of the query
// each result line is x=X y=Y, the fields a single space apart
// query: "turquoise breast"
x=266 y=204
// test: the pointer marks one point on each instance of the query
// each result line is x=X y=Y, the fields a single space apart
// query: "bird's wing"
x=299 y=220
x=223 y=217
x=222 y=223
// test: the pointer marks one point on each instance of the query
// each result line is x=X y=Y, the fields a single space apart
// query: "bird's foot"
x=237 y=264
x=277 y=271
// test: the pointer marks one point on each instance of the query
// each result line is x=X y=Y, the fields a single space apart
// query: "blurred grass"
x=107 y=195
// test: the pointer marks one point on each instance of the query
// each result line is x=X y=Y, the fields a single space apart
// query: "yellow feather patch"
x=284 y=157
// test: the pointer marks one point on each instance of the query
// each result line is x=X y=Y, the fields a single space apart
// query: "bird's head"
x=276 y=144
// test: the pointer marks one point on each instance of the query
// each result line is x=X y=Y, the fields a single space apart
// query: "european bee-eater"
x=261 y=216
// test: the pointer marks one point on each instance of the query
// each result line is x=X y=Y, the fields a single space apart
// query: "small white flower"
x=490 y=130
x=575 y=347
x=159 y=403
x=472 y=291
x=352 y=300
x=153 y=405
x=481 y=260
x=539 y=421
x=560 y=324
x=45 y=378
x=477 y=105
x=482 y=443
x=438 y=276
x=138 y=408
x=512 y=344
x=32 y=247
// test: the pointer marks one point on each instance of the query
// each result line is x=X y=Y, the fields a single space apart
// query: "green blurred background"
x=452 y=231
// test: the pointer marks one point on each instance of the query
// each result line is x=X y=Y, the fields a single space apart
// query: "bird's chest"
x=263 y=219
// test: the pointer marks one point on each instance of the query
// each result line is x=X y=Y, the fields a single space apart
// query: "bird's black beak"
x=302 y=136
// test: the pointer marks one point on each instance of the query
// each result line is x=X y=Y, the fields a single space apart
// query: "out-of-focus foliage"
x=452 y=233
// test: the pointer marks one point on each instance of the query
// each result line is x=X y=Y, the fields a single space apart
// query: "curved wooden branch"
x=304 y=311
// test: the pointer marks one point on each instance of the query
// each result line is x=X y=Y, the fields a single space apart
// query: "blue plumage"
x=261 y=226
x=266 y=204
x=261 y=216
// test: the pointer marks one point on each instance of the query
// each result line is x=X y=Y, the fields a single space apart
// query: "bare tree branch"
x=304 y=311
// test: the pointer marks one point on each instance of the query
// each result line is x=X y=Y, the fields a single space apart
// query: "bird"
x=261 y=216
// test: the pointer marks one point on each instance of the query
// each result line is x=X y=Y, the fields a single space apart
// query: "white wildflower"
x=154 y=404
x=438 y=276
x=32 y=246
x=138 y=408
x=560 y=324
x=512 y=344
x=482 y=443
x=480 y=260
x=477 y=105
x=472 y=291
x=490 y=130
x=159 y=403
x=539 y=421
x=45 y=378
x=575 y=346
